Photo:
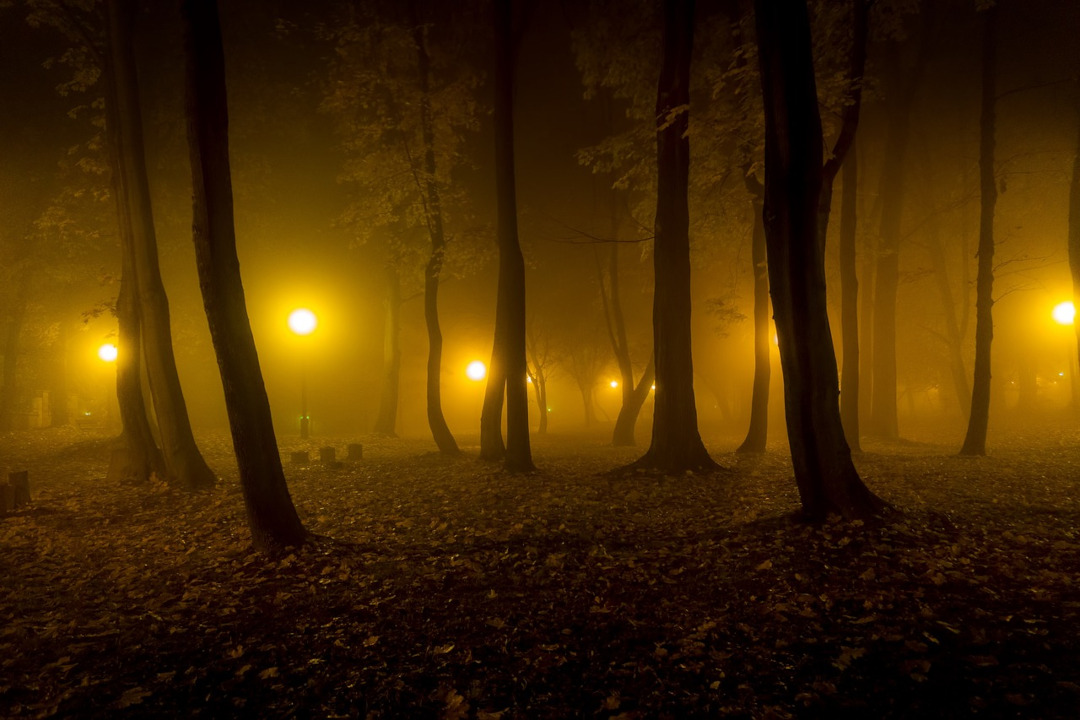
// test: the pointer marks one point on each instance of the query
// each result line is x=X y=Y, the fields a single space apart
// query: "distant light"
x=1064 y=313
x=302 y=321
x=549 y=409
x=1061 y=374
x=528 y=379
x=653 y=387
x=108 y=352
x=476 y=370
x=614 y=383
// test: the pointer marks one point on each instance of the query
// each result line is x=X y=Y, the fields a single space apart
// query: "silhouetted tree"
x=271 y=515
x=183 y=461
x=507 y=370
x=676 y=445
x=386 y=420
x=824 y=472
x=979 y=418
x=1074 y=218
x=849 y=302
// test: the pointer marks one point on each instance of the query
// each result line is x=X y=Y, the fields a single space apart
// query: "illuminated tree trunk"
x=271 y=515
x=440 y=431
x=757 y=434
x=386 y=421
x=508 y=371
x=979 y=419
x=849 y=303
x=826 y=478
x=183 y=461
x=676 y=445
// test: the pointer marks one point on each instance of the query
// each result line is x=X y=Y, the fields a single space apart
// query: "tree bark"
x=183 y=461
x=1074 y=222
x=757 y=434
x=676 y=444
x=825 y=475
x=386 y=421
x=979 y=418
x=440 y=431
x=849 y=303
x=271 y=515
x=508 y=366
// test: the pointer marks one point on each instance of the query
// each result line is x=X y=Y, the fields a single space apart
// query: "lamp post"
x=303 y=322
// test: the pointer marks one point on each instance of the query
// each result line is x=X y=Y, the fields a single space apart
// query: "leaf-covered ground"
x=447 y=588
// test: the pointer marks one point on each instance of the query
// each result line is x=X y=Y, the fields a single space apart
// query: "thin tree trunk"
x=676 y=445
x=979 y=419
x=9 y=393
x=271 y=515
x=849 y=303
x=440 y=431
x=953 y=336
x=386 y=421
x=825 y=475
x=757 y=434
x=509 y=351
x=623 y=435
x=183 y=461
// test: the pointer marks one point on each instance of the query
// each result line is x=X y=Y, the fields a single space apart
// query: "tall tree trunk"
x=509 y=368
x=386 y=421
x=1074 y=224
x=883 y=421
x=440 y=431
x=826 y=477
x=676 y=444
x=757 y=434
x=954 y=338
x=142 y=457
x=183 y=461
x=979 y=418
x=58 y=391
x=271 y=515
x=9 y=393
x=849 y=303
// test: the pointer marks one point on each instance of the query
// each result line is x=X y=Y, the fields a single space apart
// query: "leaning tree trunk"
x=440 y=431
x=271 y=515
x=386 y=421
x=141 y=455
x=676 y=444
x=183 y=461
x=623 y=435
x=757 y=434
x=509 y=369
x=849 y=303
x=979 y=418
x=826 y=477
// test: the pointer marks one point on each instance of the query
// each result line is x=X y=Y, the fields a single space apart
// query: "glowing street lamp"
x=303 y=322
x=614 y=384
x=476 y=370
x=1064 y=313
x=107 y=353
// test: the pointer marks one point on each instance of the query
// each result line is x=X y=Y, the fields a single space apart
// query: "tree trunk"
x=757 y=434
x=676 y=445
x=58 y=393
x=1074 y=225
x=386 y=421
x=954 y=336
x=9 y=393
x=440 y=431
x=979 y=418
x=271 y=515
x=183 y=462
x=623 y=435
x=826 y=478
x=849 y=303
x=509 y=369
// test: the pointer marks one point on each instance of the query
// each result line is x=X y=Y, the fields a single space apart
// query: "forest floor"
x=449 y=589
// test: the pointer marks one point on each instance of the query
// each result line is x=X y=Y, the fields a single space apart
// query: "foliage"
x=454 y=589
x=374 y=96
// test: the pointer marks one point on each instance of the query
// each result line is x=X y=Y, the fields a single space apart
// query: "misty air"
x=499 y=359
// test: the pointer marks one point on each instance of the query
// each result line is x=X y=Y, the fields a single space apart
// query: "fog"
x=312 y=229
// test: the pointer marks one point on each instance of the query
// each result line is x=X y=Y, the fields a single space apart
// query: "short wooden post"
x=355 y=452
x=20 y=487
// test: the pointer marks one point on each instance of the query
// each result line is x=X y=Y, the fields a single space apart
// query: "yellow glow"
x=1064 y=313
x=476 y=370
x=107 y=352
x=528 y=379
x=302 y=321
x=614 y=383
x=653 y=387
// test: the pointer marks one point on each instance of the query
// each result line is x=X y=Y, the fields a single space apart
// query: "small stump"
x=300 y=458
x=355 y=452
